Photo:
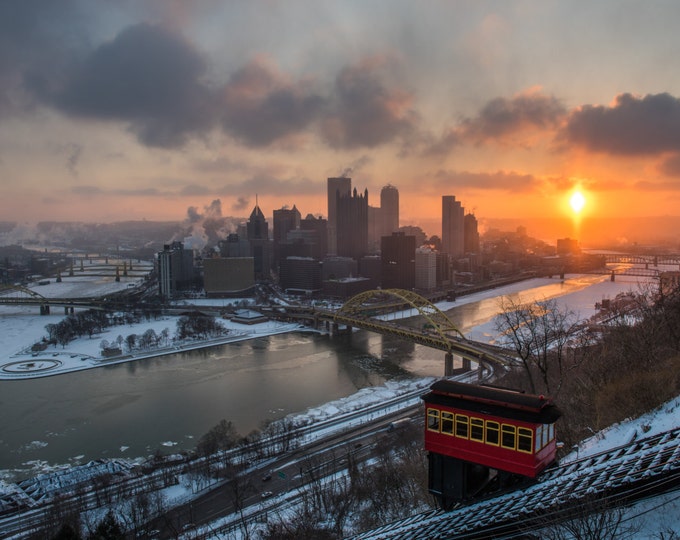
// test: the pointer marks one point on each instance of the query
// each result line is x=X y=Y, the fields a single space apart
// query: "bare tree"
x=540 y=333
x=593 y=519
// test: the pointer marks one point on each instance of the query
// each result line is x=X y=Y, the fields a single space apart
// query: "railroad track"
x=639 y=470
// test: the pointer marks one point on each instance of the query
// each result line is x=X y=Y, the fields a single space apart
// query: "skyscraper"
x=285 y=220
x=342 y=186
x=453 y=226
x=398 y=261
x=471 y=240
x=258 y=238
x=175 y=269
x=389 y=208
x=352 y=224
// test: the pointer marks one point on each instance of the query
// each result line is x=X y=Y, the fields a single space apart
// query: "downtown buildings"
x=359 y=247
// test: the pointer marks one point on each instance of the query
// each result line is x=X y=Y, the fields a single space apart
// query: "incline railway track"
x=624 y=474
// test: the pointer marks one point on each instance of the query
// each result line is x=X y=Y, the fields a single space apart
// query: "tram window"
x=551 y=432
x=447 y=423
x=477 y=429
x=539 y=438
x=524 y=439
x=433 y=419
x=492 y=429
x=508 y=436
x=461 y=426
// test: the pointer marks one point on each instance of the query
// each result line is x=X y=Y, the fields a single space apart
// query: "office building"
x=426 y=269
x=301 y=275
x=336 y=186
x=453 y=227
x=319 y=226
x=228 y=277
x=389 y=208
x=471 y=234
x=352 y=224
x=175 y=269
x=398 y=261
x=285 y=220
x=260 y=245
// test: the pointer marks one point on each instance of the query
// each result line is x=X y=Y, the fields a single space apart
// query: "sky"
x=154 y=109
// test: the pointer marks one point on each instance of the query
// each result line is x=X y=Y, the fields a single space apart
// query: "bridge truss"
x=370 y=311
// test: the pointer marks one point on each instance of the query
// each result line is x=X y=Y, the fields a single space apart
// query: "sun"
x=577 y=202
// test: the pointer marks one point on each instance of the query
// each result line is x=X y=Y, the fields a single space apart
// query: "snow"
x=22 y=326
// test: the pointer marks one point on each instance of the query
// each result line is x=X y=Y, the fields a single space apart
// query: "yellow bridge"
x=382 y=311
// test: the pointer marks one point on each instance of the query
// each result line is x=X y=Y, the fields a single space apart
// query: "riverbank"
x=21 y=328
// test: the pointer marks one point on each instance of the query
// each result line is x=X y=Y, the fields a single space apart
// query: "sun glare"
x=577 y=202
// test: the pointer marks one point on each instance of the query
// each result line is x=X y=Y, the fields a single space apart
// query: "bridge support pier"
x=612 y=276
x=448 y=364
x=45 y=309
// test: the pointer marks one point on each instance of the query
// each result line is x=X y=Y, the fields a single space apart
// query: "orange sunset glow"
x=155 y=113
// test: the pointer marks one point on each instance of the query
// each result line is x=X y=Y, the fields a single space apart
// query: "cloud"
x=147 y=76
x=633 y=125
x=501 y=118
x=193 y=189
x=262 y=106
x=501 y=180
x=268 y=184
x=241 y=204
x=365 y=112
x=671 y=166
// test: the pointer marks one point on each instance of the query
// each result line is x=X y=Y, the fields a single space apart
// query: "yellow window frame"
x=492 y=427
x=507 y=429
x=477 y=429
x=433 y=420
x=462 y=420
x=525 y=437
x=447 y=422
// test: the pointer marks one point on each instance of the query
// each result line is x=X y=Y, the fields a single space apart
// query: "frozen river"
x=167 y=403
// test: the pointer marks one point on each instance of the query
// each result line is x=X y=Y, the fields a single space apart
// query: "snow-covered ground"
x=21 y=327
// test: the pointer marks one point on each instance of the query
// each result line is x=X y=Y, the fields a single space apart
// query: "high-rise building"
x=453 y=226
x=384 y=220
x=471 y=234
x=301 y=275
x=285 y=220
x=352 y=224
x=336 y=186
x=398 y=261
x=389 y=208
x=260 y=246
x=426 y=269
x=175 y=269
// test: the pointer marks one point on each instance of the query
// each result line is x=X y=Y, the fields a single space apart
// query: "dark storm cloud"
x=147 y=76
x=631 y=126
x=500 y=180
x=365 y=112
x=500 y=118
x=261 y=106
x=35 y=36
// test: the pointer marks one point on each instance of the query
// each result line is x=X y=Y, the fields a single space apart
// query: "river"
x=166 y=403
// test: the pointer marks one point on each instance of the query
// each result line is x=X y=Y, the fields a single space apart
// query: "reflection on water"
x=168 y=402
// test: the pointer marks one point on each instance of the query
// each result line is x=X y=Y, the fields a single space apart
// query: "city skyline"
x=154 y=110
